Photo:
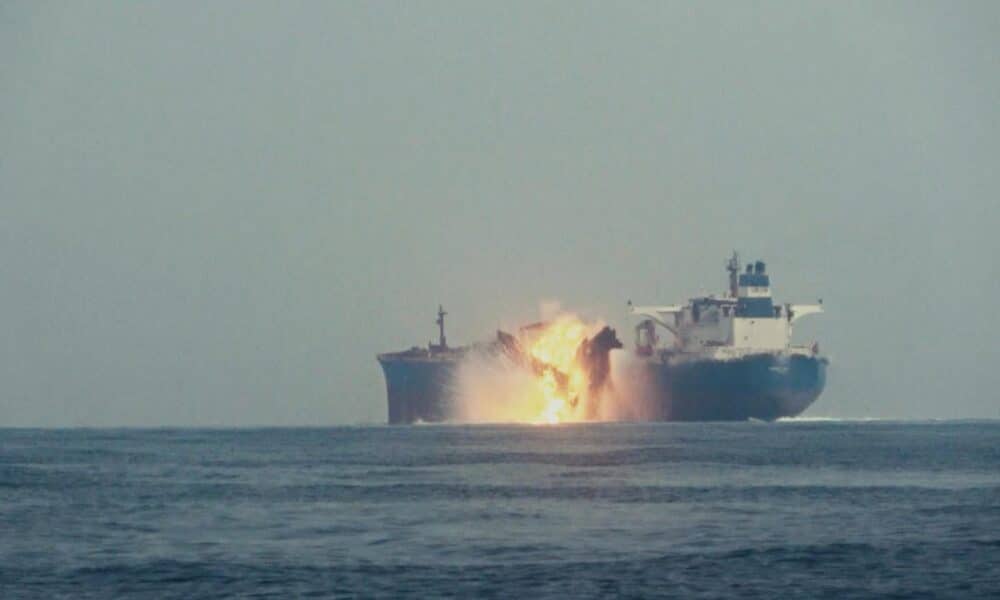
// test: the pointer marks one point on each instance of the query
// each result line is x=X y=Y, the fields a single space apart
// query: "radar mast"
x=442 y=341
x=733 y=266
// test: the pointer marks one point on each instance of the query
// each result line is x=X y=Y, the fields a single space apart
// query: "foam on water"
x=804 y=419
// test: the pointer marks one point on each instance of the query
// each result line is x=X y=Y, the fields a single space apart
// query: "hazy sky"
x=218 y=213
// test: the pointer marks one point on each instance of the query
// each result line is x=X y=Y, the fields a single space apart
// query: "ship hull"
x=760 y=386
x=418 y=390
x=764 y=386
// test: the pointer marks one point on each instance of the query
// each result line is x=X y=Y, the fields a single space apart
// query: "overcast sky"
x=218 y=213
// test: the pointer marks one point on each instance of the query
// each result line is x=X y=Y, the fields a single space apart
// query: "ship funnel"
x=759 y=267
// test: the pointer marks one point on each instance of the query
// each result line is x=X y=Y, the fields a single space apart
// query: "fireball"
x=563 y=380
x=550 y=373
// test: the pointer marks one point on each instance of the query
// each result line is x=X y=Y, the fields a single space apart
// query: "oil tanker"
x=729 y=357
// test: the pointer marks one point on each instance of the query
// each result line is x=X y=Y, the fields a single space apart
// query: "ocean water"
x=789 y=509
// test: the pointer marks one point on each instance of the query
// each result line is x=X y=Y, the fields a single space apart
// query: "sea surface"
x=815 y=509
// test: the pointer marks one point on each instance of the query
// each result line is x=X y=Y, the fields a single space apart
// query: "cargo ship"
x=729 y=358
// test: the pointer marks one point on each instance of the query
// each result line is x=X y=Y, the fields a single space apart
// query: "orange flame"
x=555 y=347
x=550 y=387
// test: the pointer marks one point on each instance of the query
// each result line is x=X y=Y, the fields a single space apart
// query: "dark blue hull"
x=759 y=386
x=418 y=390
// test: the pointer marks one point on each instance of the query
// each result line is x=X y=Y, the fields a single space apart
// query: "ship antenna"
x=442 y=342
x=733 y=266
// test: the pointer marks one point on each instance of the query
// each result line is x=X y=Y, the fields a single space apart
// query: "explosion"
x=563 y=381
x=552 y=372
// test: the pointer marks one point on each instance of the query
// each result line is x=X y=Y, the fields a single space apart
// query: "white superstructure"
x=742 y=321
